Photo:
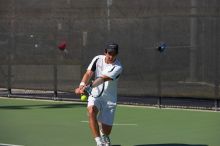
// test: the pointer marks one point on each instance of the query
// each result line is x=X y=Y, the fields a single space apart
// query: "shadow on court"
x=42 y=106
x=171 y=144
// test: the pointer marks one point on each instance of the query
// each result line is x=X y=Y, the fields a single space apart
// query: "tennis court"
x=46 y=46
x=54 y=123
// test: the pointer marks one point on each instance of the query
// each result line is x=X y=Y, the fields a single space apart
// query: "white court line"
x=5 y=144
x=117 y=124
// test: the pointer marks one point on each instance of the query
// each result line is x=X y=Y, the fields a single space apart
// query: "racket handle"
x=88 y=89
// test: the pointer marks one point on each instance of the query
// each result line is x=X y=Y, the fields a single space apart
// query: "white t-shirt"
x=107 y=90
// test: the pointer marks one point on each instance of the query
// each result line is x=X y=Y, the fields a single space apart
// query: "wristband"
x=82 y=84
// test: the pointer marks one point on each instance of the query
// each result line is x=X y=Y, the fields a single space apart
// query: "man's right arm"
x=86 y=78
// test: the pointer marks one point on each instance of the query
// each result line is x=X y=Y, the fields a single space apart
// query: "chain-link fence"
x=31 y=30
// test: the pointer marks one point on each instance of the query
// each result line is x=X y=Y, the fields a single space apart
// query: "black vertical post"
x=9 y=78
x=161 y=50
x=55 y=80
x=159 y=81
x=159 y=33
x=12 y=46
x=193 y=40
x=56 y=32
x=9 y=66
x=215 y=44
x=55 y=69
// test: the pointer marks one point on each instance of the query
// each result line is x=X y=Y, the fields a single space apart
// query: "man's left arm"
x=108 y=75
x=100 y=80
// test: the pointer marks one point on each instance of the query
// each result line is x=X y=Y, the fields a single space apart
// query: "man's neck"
x=107 y=62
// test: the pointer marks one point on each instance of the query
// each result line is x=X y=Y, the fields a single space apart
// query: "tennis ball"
x=83 y=98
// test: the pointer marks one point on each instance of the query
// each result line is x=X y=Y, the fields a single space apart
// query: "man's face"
x=110 y=56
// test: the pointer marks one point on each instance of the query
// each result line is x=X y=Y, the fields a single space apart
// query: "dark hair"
x=111 y=47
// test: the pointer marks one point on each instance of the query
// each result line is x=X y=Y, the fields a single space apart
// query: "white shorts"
x=106 y=109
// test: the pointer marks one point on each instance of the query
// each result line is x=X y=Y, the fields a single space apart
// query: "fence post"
x=11 y=46
x=161 y=50
x=193 y=40
x=159 y=81
x=9 y=78
x=55 y=80
x=216 y=56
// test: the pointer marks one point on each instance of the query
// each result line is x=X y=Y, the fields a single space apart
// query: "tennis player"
x=103 y=98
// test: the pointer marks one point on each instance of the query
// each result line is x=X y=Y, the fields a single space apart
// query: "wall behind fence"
x=31 y=30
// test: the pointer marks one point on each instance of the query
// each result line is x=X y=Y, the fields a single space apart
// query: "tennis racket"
x=96 y=91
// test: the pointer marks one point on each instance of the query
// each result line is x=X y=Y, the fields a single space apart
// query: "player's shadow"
x=42 y=106
x=171 y=144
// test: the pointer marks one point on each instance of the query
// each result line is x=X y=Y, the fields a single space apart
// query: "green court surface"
x=50 y=123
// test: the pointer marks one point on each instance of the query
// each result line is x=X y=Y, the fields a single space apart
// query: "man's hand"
x=83 y=90
x=80 y=90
